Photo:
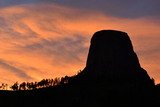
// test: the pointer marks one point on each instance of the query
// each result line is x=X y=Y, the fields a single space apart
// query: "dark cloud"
x=17 y=71
x=16 y=2
x=119 y=8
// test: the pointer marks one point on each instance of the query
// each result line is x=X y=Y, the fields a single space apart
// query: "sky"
x=50 y=38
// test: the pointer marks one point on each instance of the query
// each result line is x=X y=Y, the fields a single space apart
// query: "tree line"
x=37 y=85
x=4 y=86
x=41 y=84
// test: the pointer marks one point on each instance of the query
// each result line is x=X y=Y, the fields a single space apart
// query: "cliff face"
x=111 y=59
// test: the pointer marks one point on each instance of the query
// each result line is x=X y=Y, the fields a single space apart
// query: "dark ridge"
x=112 y=77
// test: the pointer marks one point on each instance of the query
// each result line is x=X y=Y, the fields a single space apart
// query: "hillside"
x=113 y=77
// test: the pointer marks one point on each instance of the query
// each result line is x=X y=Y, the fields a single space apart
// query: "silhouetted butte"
x=111 y=59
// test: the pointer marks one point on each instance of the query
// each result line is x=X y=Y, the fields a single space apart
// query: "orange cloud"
x=49 y=40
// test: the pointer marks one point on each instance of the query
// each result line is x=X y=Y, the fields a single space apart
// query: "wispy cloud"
x=13 y=70
x=50 y=40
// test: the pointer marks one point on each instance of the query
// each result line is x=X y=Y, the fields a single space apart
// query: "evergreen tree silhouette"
x=15 y=86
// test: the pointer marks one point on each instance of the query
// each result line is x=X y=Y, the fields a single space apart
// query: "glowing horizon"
x=37 y=43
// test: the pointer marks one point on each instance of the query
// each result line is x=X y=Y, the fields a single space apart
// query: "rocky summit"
x=111 y=59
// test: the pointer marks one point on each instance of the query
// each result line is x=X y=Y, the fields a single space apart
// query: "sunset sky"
x=50 y=38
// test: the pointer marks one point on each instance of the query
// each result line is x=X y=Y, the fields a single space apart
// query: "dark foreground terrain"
x=112 y=77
